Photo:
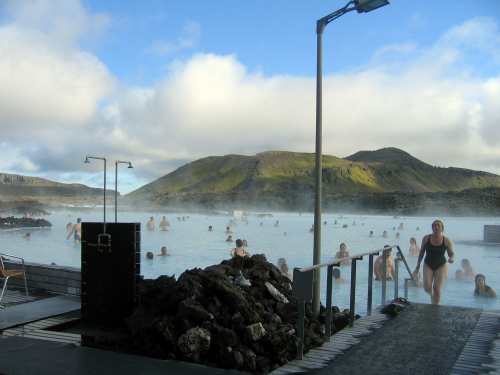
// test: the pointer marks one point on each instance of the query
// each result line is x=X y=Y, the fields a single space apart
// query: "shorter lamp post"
x=87 y=161
x=116 y=184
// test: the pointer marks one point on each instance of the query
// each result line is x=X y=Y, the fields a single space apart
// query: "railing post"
x=384 y=276
x=353 y=291
x=302 y=290
x=404 y=261
x=329 y=286
x=370 y=285
x=406 y=287
x=396 y=279
x=300 y=329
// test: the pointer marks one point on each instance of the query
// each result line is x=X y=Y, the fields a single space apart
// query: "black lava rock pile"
x=215 y=317
x=12 y=222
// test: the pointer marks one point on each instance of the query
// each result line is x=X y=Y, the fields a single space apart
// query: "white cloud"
x=63 y=21
x=430 y=106
x=47 y=84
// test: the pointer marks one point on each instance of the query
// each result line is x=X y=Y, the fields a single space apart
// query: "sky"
x=162 y=83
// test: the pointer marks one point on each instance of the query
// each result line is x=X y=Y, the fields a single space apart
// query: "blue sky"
x=162 y=83
x=275 y=37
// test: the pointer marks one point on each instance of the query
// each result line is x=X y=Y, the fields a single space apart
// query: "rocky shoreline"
x=240 y=314
x=12 y=222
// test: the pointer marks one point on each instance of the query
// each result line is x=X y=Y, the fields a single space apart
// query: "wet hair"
x=282 y=265
x=239 y=243
x=343 y=245
x=336 y=273
x=149 y=255
x=413 y=240
x=440 y=222
x=479 y=276
x=476 y=279
x=465 y=263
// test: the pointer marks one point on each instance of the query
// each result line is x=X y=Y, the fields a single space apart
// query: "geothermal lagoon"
x=191 y=245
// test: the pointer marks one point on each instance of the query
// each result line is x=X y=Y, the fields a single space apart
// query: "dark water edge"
x=467 y=203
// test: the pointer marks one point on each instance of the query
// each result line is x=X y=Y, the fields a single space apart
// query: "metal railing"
x=303 y=281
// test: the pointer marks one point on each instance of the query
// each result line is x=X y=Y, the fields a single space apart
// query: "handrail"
x=337 y=261
x=303 y=280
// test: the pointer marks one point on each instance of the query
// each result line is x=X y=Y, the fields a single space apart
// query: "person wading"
x=435 y=270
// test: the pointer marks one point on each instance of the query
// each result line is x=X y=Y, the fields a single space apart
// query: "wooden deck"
x=474 y=344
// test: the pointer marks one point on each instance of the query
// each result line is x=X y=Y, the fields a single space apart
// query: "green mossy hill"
x=14 y=187
x=288 y=177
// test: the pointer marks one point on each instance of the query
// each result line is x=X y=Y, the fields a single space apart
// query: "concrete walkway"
x=23 y=356
x=424 y=339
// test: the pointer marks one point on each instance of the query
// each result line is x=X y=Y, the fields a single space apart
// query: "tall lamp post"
x=116 y=184
x=361 y=6
x=87 y=161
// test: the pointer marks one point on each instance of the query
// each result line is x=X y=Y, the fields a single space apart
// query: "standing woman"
x=435 y=271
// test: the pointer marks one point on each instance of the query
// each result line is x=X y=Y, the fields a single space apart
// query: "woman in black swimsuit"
x=435 y=271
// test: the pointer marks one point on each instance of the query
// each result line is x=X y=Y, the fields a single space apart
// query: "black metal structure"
x=303 y=288
x=110 y=272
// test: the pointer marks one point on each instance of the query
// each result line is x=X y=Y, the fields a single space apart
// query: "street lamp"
x=361 y=6
x=116 y=184
x=87 y=161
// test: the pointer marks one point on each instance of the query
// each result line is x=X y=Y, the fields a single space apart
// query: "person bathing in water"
x=414 y=249
x=483 y=290
x=434 y=247
x=343 y=253
x=378 y=265
x=76 y=231
x=164 y=224
x=239 y=250
x=163 y=251
x=151 y=224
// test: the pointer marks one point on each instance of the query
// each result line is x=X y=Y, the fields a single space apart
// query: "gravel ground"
x=423 y=339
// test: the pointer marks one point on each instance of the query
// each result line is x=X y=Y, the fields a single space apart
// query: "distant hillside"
x=19 y=188
x=281 y=179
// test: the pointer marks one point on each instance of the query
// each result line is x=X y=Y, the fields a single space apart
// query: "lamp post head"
x=365 y=6
x=130 y=165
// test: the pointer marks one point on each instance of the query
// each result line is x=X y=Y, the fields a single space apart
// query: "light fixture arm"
x=104 y=212
x=116 y=184
x=322 y=22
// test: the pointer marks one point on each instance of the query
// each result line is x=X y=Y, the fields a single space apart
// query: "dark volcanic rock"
x=22 y=222
x=205 y=317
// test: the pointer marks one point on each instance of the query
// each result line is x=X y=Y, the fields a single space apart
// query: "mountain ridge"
x=18 y=188
x=286 y=179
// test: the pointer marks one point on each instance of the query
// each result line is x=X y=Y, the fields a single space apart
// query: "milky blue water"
x=191 y=245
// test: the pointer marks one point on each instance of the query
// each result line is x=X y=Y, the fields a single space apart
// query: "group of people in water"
x=432 y=252
x=433 y=255
x=163 y=252
x=164 y=224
